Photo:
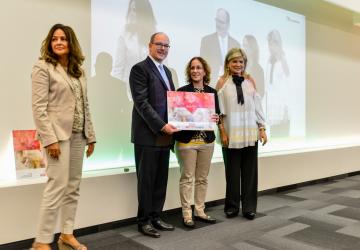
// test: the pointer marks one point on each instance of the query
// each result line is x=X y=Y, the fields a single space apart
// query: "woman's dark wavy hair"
x=76 y=56
x=205 y=66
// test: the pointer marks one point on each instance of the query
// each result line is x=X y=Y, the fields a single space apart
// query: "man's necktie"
x=164 y=76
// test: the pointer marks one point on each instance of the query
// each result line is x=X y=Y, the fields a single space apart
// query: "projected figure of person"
x=277 y=87
x=214 y=47
x=111 y=111
x=253 y=67
x=242 y=126
x=133 y=41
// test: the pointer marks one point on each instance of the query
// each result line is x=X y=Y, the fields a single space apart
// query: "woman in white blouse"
x=242 y=125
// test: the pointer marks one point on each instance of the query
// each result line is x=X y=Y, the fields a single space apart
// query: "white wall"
x=23 y=25
x=113 y=197
x=349 y=4
x=332 y=89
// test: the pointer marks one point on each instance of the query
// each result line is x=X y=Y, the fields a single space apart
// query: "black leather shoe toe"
x=161 y=225
x=206 y=219
x=231 y=213
x=249 y=215
x=148 y=230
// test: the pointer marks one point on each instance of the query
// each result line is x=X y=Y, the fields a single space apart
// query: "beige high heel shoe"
x=40 y=246
x=66 y=246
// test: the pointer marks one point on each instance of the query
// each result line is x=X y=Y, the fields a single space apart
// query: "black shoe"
x=161 y=225
x=148 y=230
x=206 y=219
x=231 y=212
x=249 y=215
x=189 y=223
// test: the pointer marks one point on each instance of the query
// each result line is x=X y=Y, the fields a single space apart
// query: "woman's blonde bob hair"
x=233 y=53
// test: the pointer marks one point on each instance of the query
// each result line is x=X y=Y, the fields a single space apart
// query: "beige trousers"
x=194 y=166
x=61 y=192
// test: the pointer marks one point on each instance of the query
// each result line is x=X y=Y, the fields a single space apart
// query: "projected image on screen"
x=273 y=38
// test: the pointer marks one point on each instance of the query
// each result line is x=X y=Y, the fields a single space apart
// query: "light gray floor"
x=322 y=216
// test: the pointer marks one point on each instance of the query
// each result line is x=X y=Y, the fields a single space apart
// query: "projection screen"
x=273 y=38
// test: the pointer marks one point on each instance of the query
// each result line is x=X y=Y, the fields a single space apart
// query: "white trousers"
x=61 y=192
x=194 y=166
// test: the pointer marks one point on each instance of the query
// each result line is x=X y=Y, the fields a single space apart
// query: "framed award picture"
x=191 y=110
x=29 y=160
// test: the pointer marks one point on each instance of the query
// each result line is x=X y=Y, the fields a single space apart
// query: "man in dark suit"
x=151 y=134
x=214 y=47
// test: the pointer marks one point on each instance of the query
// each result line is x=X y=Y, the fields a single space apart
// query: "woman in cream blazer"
x=64 y=127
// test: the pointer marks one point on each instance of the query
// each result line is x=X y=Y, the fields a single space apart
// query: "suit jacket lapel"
x=217 y=51
x=82 y=82
x=168 y=74
x=65 y=75
x=157 y=73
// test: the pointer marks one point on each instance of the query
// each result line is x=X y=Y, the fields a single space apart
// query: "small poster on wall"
x=190 y=110
x=29 y=160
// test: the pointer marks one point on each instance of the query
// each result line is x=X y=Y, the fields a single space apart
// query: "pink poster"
x=191 y=111
x=29 y=160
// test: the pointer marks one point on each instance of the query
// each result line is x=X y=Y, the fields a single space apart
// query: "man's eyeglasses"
x=160 y=45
